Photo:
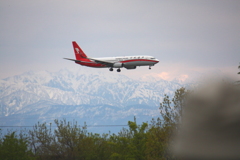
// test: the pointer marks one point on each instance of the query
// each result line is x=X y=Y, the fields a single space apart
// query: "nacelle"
x=117 y=65
x=130 y=67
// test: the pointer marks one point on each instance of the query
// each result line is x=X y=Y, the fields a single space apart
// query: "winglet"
x=78 y=51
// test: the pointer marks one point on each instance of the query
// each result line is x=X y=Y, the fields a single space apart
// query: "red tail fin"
x=78 y=51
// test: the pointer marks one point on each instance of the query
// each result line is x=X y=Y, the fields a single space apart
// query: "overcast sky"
x=186 y=36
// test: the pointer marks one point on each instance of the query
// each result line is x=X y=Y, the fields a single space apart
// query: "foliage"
x=171 y=112
x=13 y=147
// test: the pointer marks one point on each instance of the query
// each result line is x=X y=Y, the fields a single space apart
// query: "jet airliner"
x=128 y=62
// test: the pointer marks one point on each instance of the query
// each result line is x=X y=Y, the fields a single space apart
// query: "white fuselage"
x=137 y=60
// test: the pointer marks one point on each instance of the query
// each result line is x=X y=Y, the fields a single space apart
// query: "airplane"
x=128 y=62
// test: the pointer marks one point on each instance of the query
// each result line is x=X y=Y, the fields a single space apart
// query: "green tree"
x=159 y=136
x=156 y=143
x=12 y=147
x=171 y=110
x=43 y=142
x=130 y=143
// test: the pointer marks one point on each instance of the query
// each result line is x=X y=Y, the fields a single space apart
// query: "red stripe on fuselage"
x=138 y=60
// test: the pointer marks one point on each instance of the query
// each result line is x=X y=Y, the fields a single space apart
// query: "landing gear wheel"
x=111 y=69
x=118 y=70
x=150 y=67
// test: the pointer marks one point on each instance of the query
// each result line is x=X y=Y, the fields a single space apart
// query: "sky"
x=188 y=37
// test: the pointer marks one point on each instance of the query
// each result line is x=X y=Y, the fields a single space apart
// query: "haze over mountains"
x=85 y=95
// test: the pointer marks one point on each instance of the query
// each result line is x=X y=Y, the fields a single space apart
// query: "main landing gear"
x=150 y=67
x=118 y=70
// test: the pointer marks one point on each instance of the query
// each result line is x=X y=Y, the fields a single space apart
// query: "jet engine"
x=117 y=65
x=130 y=67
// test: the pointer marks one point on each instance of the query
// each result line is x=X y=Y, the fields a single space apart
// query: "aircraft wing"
x=76 y=60
x=109 y=64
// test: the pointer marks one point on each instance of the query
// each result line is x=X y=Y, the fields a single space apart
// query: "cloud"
x=164 y=75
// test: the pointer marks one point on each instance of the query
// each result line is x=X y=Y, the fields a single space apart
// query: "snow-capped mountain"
x=68 y=88
x=81 y=93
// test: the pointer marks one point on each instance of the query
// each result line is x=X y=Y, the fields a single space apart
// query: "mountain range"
x=85 y=95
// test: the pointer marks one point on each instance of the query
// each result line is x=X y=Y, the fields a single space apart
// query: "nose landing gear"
x=150 y=67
